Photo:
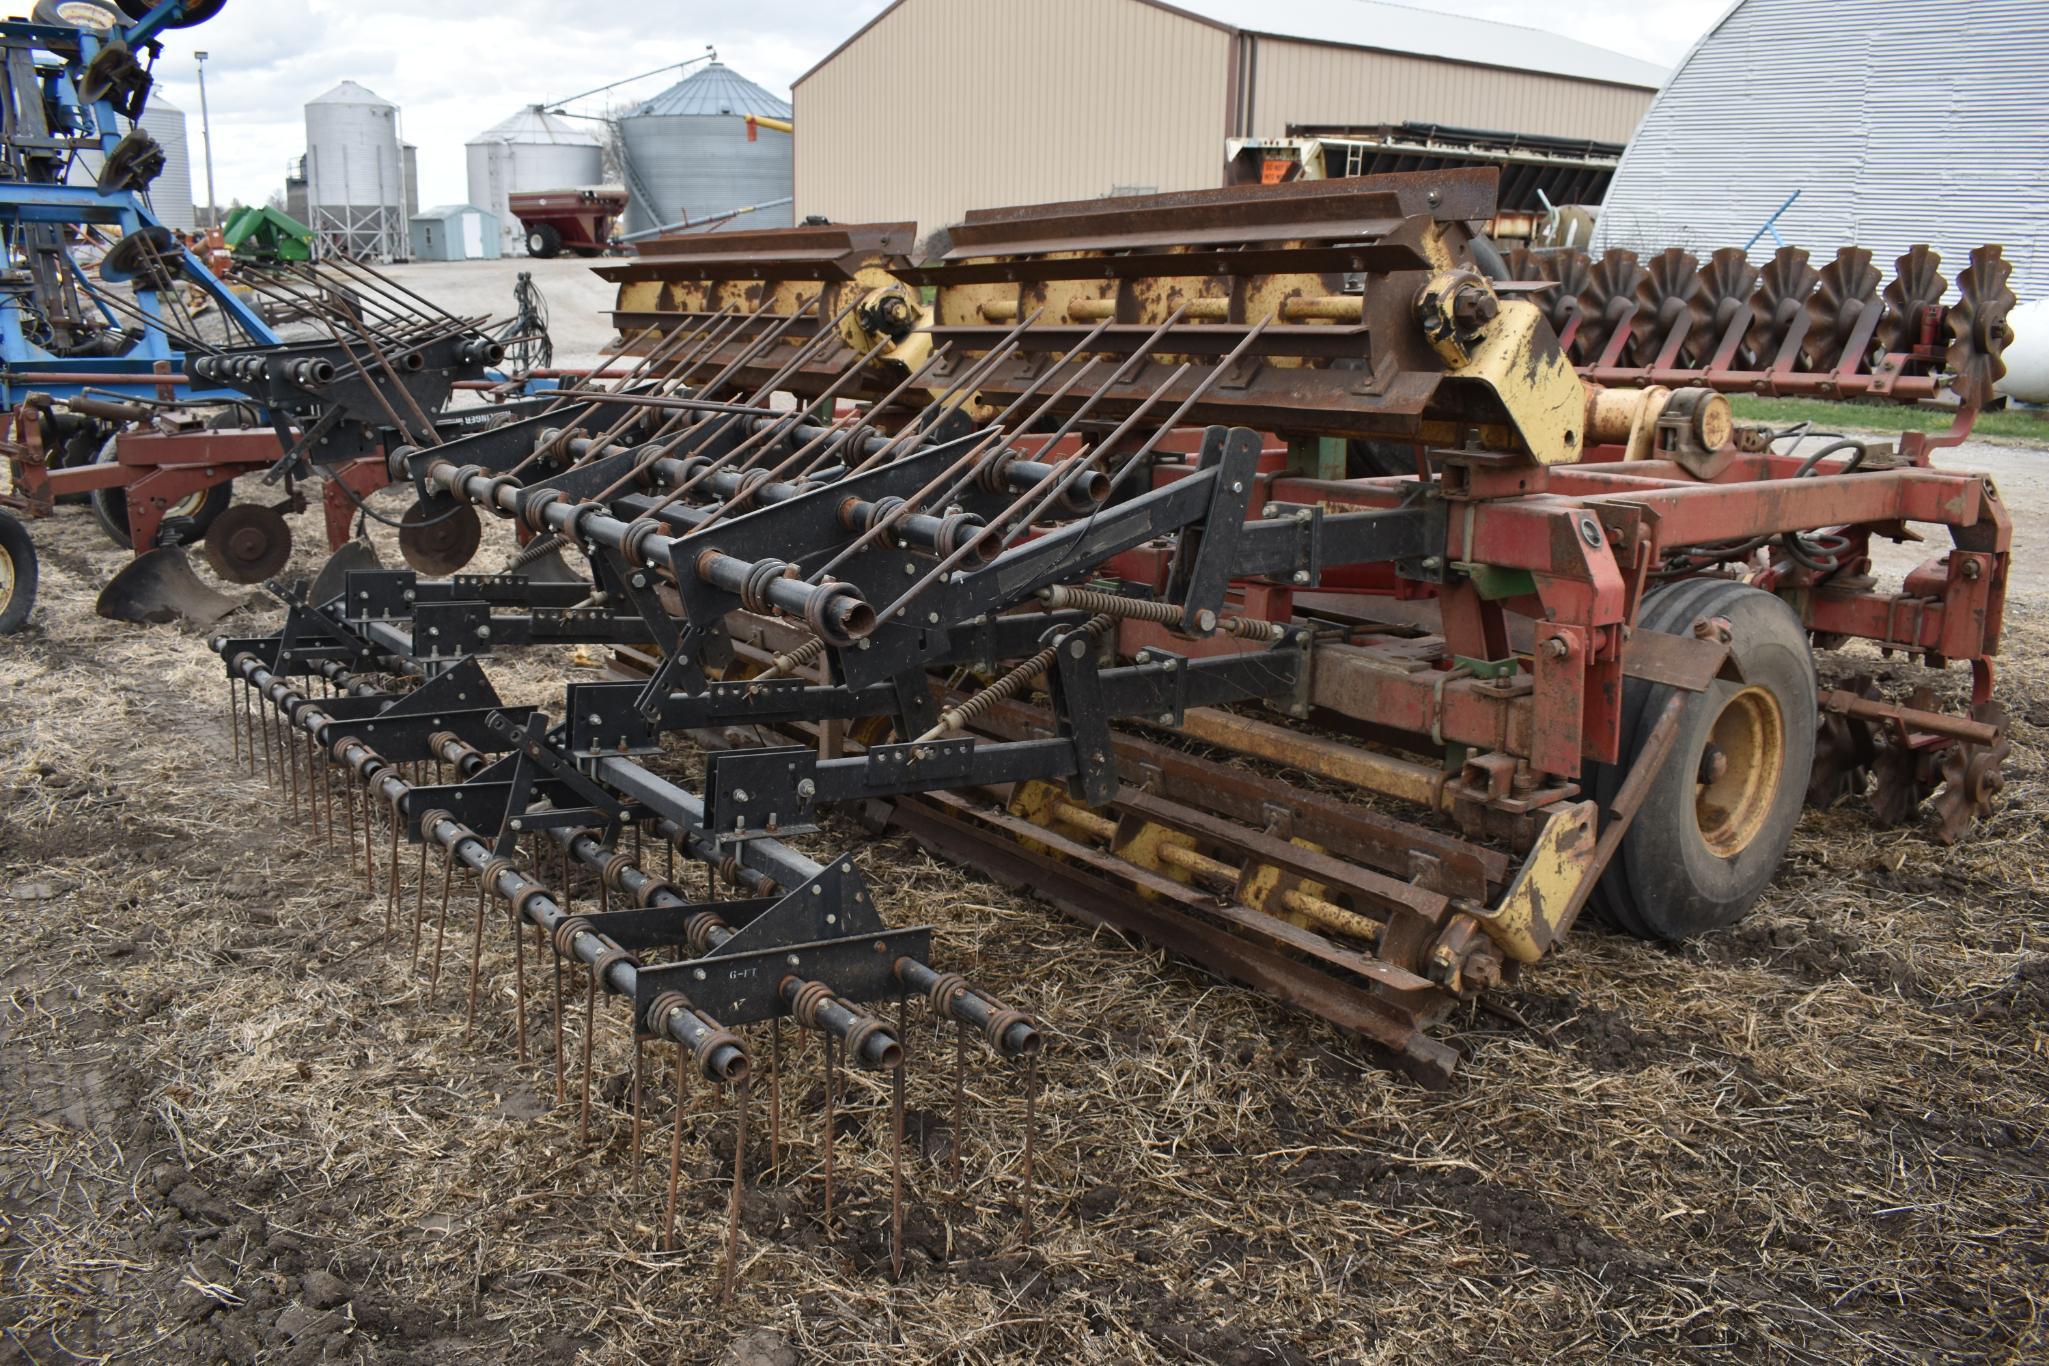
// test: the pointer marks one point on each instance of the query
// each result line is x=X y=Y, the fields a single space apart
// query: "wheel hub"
x=1740 y=770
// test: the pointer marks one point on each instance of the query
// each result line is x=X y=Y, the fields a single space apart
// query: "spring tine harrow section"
x=1059 y=542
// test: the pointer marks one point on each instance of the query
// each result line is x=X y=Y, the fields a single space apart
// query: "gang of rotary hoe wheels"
x=1081 y=544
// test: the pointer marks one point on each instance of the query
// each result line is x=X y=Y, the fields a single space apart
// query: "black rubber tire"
x=20 y=554
x=196 y=11
x=543 y=242
x=1665 y=881
x=52 y=12
x=110 y=508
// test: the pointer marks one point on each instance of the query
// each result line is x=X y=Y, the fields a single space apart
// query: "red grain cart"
x=576 y=221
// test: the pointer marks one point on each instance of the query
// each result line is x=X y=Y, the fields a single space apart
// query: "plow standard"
x=1278 y=575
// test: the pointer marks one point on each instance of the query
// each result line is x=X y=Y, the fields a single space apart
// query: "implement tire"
x=17 y=575
x=110 y=507
x=1714 y=826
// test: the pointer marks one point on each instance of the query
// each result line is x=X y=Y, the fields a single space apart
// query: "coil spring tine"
x=742 y=1091
x=675 y=1151
x=441 y=933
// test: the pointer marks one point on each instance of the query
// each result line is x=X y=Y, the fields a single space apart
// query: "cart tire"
x=17 y=575
x=543 y=242
x=110 y=507
x=1703 y=848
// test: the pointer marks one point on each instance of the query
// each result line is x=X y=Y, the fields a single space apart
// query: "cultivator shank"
x=1012 y=571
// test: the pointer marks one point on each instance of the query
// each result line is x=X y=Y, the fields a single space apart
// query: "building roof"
x=534 y=124
x=713 y=90
x=348 y=92
x=1426 y=33
x=1387 y=27
x=446 y=211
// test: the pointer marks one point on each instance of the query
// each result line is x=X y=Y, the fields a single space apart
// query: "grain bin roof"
x=348 y=92
x=1397 y=28
x=534 y=124
x=717 y=89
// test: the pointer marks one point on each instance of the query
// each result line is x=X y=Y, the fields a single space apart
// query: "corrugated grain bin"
x=688 y=156
x=532 y=150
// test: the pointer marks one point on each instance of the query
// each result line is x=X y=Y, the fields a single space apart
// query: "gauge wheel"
x=17 y=575
x=1713 y=828
x=197 y=510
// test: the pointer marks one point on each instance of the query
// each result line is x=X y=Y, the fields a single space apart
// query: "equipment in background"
x=148 y=386
x=267 y=235
x=581 y=222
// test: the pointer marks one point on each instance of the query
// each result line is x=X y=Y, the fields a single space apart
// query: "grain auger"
x=1073 y=560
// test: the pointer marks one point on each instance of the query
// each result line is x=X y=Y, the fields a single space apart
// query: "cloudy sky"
x=458 y=66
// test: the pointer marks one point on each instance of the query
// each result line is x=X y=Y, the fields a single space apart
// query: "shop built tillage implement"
x=1251 y=570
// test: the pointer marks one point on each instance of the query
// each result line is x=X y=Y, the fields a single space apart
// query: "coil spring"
x=1012 y=683
x=534 y=550
x=803 y=656
x=1164 y=613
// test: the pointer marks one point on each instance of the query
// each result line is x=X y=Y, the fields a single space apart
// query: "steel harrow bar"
x=312 y=735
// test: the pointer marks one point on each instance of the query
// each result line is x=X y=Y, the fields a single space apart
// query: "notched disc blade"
x=439 y=535
x=159 y=587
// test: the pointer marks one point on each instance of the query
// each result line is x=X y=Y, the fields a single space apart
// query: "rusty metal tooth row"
x=1789 y=326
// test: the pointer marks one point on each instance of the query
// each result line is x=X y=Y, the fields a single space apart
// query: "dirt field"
x=235 y=1125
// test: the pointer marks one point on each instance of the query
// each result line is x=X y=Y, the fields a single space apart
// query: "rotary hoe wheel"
x=1722 y=293
x=1972 y=777
x=1845 y=294
x=1604 y=302
x=1783 y=288
x=1662 y=297
x=1978 y=331
x=1916 y=292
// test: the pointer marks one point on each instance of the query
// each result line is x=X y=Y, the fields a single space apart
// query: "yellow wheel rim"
x=187 y=506
x=6 y=580
x=1740 y=771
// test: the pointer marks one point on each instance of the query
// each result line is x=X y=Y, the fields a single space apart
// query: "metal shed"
x=1071 y=99
x=1894 y=124
x=455 y=232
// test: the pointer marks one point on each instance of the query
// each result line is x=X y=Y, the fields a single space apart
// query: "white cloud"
x=459 y=66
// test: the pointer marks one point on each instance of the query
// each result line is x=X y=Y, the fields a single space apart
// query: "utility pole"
x=213 y=205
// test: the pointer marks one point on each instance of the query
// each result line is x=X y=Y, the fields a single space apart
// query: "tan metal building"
x=939 y=106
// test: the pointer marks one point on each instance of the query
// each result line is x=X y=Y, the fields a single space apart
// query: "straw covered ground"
x=236 y=1125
